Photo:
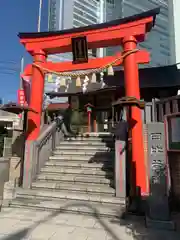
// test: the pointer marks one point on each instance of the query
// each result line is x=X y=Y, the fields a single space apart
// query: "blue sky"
x=16 y=16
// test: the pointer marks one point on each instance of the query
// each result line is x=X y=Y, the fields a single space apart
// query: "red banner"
x=21 y=97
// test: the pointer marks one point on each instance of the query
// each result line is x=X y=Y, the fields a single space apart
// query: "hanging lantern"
x=110 y=71
x=93 y=79
x=78 y=82
x=50 y=78
x=62 y=82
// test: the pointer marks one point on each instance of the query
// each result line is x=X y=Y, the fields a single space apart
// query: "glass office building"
x=158 y=40
x=174 y=20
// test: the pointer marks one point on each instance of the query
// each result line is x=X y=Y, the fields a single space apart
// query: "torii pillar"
x=36 y=99
x=132 y=88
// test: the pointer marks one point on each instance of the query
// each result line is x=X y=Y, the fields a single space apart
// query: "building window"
x=85 y=15
x=91 y=4
x=82 y=19
x=86 y=9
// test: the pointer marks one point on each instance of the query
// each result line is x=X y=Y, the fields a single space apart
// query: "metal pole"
x=101 y=20
x=21 y=125
x=21 y=87
x=49 y=15
x=22 y=69
x=39 y=17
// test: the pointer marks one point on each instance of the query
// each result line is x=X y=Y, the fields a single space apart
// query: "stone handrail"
x=38 y=152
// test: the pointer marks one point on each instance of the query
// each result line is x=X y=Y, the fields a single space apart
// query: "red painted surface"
x=36 y=99
x=89 y=107
x=131 y=76
x=109 y=36
x=21 y=99
x=95 y=124
x=89 y=121
x=141 y=57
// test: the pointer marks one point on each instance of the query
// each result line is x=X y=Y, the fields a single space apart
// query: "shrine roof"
x=146 y=14
x=56 y=106
x=78 y=93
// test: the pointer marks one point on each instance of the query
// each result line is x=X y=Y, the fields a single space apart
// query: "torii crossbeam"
x=126 y=32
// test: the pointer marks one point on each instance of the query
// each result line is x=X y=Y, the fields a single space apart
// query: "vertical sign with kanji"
x=21 y=98
x=158 y=213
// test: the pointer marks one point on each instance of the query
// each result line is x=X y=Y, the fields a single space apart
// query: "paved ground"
x=16 y=224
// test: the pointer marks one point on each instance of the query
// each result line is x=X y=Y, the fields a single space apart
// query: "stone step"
x=83 y=152
x=81 y=158
x=96 y=134
x=104 y=135
x=79 y=164
x=71 y=147
x=76 y=207
x=90 y=138
x=76 y=171
x=86 y=143
x=66 y=195
x=71 y=178
x=79 y=187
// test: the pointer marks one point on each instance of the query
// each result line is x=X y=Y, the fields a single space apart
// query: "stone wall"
x=174 y=164
x=14 y=178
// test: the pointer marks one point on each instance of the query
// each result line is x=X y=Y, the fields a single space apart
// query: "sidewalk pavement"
x=27 y=224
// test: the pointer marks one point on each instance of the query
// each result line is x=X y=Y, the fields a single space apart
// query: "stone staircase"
x=78 y=178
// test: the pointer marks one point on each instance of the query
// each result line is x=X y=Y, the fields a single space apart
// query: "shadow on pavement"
x=23 y=234
x=18 y=235
x=135 y=226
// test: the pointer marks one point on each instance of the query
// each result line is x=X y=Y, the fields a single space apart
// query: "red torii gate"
x=126 y=32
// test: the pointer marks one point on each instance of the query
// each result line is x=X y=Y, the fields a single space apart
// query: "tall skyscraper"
x=158 y=41
x=64 y=14
x=174 y=20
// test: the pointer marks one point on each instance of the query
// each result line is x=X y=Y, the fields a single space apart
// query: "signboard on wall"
x=79 y=50
x=173 y=132
x=175 y=129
